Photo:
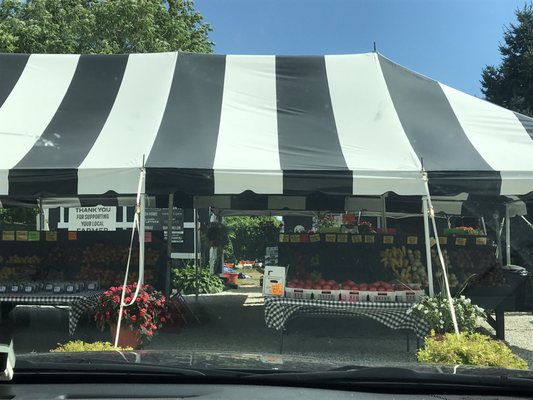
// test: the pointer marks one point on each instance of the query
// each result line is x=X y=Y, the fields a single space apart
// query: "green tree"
x=102 y=26
x=249 y=236
x=511 y=83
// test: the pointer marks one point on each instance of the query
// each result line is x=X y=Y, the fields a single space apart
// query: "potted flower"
x=435 y=312
x=140 y=321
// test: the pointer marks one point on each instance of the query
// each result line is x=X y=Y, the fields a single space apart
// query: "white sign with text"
x=99 y=218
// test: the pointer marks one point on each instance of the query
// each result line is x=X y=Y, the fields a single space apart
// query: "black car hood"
x=241 y=361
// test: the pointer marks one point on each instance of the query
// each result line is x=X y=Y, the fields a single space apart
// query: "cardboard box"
x=272 y=279
x=326 y=294
x=295 y=293
x=382 y=297
x=409 y=296
x=351 y=296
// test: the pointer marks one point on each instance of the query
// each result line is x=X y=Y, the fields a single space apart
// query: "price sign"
x=314 y=238
x=22 y=236
x=73 y=235
x=460 y=241
x=357 y=239
x=413 y=240
x=8 y=235
x=481 y=241
x=295 y=238
x=51 y=236
x=331 y=238
x=33 y=236
x=342 y=238
x=284 y=238
x=277 y=289
x=443 y=240
x=370 y=239
x=388 y=239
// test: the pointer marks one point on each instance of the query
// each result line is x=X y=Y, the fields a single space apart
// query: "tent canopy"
x=273 y=126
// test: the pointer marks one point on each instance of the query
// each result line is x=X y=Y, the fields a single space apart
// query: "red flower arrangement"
x=146 y=315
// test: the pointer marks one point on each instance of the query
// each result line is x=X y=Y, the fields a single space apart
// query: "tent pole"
x=496 y=217
x=507 y=235
x=197 y=277
x=142 y=238
x=428 y=246
x=384 y=214
x=169 y=243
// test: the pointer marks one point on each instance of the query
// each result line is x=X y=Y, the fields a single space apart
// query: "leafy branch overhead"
x=102 y=27
x=511 y=83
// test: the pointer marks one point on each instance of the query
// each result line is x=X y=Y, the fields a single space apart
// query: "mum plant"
x=435 y=312
x=145 y=316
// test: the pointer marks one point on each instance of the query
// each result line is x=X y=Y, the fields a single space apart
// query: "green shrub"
x=469 y=349
x=184 y=280
x=78 y=345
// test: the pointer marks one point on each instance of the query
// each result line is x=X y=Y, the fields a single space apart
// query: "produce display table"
x=78 y=303
x=278 y=311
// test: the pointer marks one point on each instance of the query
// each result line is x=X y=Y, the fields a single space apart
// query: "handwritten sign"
x=51 y=236
x=277 y=289
x=460 y=241
x=295 y=238
x=8 y=235
x=481 y=241
x=342 y=238
x=413 y=240
x=33 y=236
x=443 y=240
x=314 y=238
x=284 y=238
x=357 y=239
x=73 y=235
x=370 y=239
x=22 y=236
x=388 y=239
x=331 y=238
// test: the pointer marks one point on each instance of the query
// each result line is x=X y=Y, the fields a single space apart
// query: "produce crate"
x=293 y=293
x=382 y=297
x=351 y=296
x=326 y=294
x=409 y=296
x=364 y=295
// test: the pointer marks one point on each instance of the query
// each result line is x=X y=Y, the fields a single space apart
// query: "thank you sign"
x=99 y=218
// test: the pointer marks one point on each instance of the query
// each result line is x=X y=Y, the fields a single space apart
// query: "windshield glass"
x=276 y=185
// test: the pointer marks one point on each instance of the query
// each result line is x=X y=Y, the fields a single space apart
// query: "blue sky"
x=448 y=40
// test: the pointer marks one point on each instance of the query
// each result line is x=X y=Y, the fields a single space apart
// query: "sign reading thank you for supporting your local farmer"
x=99 y=218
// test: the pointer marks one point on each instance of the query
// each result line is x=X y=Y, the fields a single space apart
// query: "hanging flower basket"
x=217 y=234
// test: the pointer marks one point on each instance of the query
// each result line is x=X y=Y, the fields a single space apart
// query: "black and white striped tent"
x=285 y=131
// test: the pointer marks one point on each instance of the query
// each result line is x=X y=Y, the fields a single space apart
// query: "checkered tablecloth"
x=278 y=311
x=78 y=303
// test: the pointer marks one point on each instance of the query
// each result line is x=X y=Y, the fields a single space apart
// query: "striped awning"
x=204 y=125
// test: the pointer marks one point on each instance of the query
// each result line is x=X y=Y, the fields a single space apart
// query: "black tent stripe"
x=307 y=133
x=11 y=67
x=183 y=154
x=421 y=103
x=71 y=133
x=527 y=123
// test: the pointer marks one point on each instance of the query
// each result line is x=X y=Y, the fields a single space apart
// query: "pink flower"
x=163 y=319
x=142 y=311
x=133 y=318
x=116 y=299
x=149 y=332
x=127 y=300
x=158 y=303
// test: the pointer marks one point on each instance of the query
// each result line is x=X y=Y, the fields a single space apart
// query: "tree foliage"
x=511 y=83
x=249 y=236
x=102 y=26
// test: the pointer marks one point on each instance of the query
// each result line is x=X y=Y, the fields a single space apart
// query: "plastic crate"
x=351 y=296
x=364 y=295
x=326 y=294
x=382 y=297
x=293 y=293
x=409 y=296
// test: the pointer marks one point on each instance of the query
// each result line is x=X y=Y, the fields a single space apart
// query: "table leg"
x=281 y=342
x=407 y=340
x=500 y=324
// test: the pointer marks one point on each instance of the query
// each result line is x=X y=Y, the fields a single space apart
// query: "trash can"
x=520 y=281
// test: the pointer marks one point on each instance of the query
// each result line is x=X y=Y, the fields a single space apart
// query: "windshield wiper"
x=394 y=376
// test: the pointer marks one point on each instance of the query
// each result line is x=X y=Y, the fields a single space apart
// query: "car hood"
x=242 y=361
